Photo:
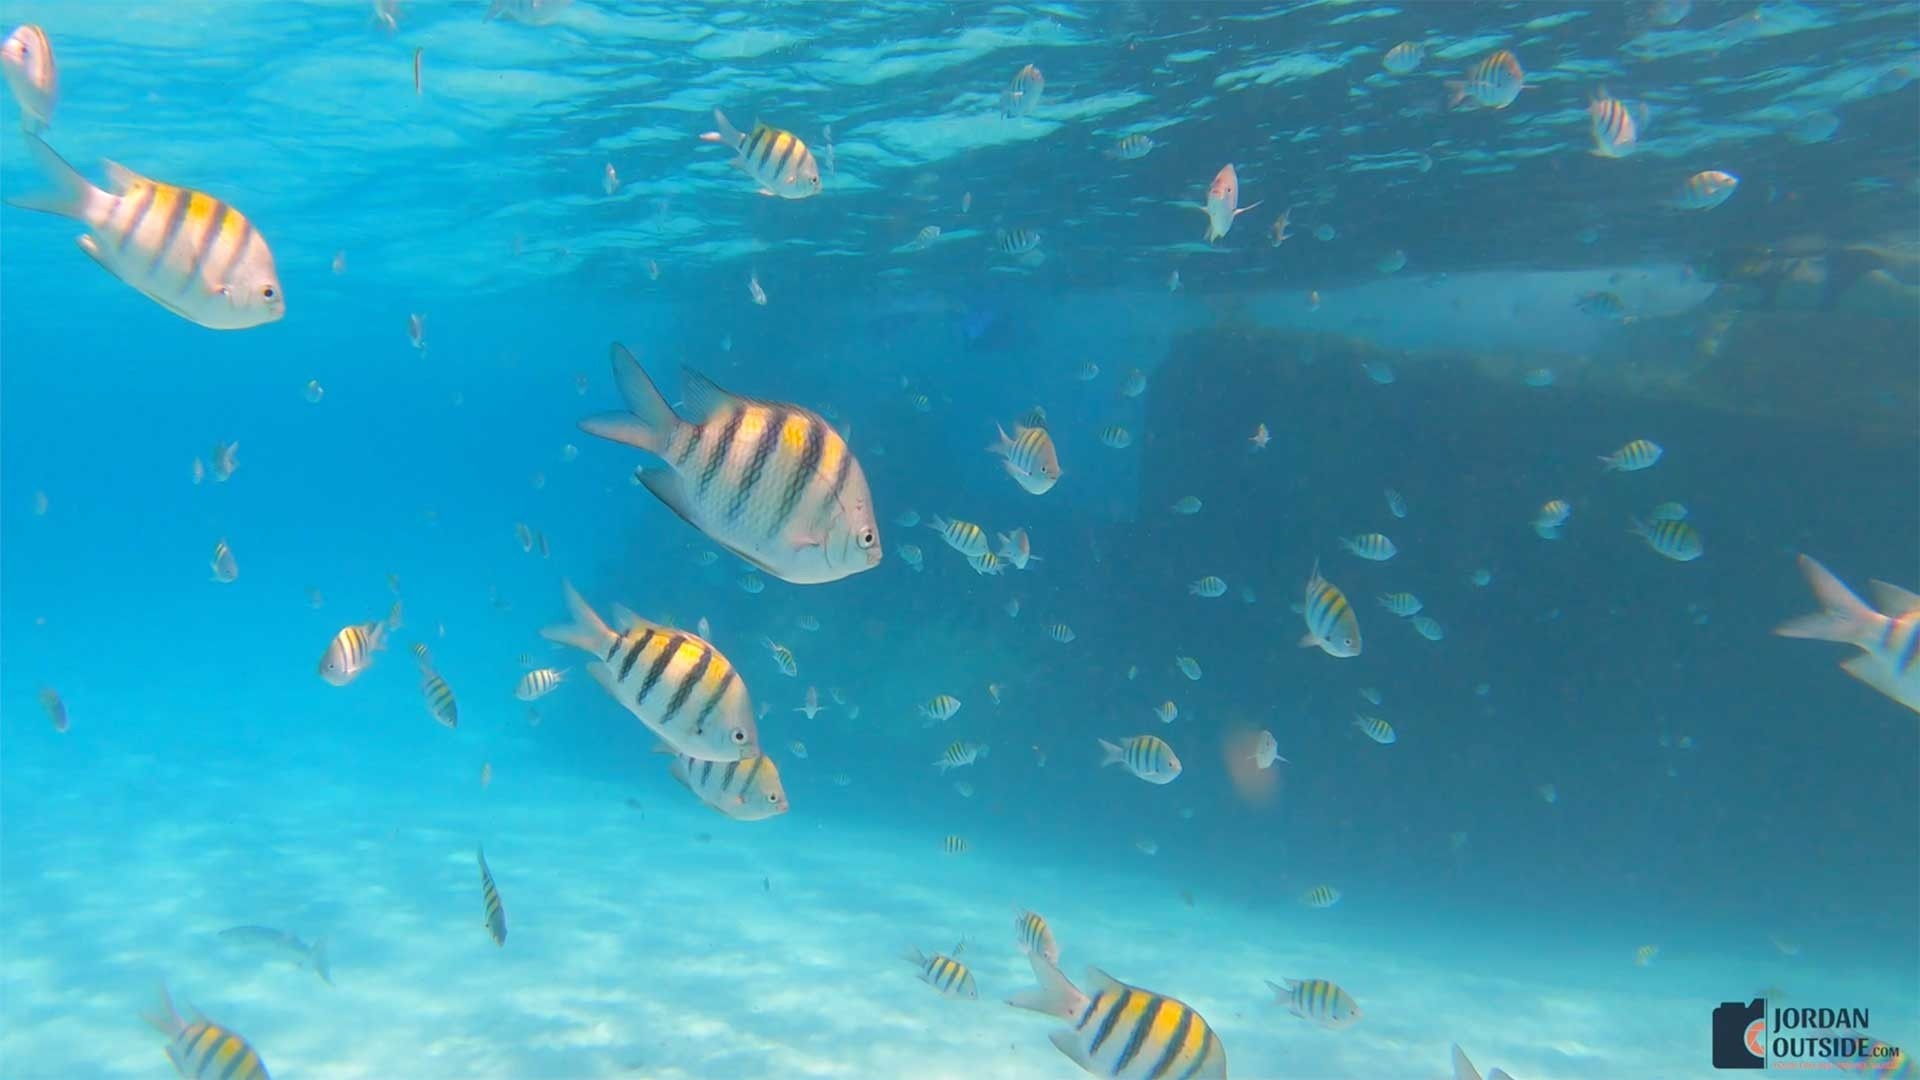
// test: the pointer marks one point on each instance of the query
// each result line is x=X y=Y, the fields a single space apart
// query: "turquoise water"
x=1720 y=794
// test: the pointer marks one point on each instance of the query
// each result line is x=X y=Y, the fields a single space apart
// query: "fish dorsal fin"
x=1099 y=982
x=122 y=178
x=704 y=398
x=1462 y=1068
x=1892 y=600
x=624 y=619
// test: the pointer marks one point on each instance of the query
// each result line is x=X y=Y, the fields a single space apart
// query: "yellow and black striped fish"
x=1145 y=756
x=1034 y=935
x=26 y=59
x=1318 y=1000
x=774 y=483
x=747 y=790
x=351 y=652
x=538 y=683
x=1615 y=134
x=440 y=703
x=960 y=752
x=953 y=845
x=1494 y=82
x=1029 y=457
x=490 y=896
x=676 y=683
x=187 y=251
x=1015 y=241
x=962 y=536
x=202 y=1049
x=1636 y=455
x=1061 y=633
x=1321 y=896
x=1124 y=1032
x=1331 y=623
x=1023 y=94
x=1676 y=540
x=777 y=159
x=945 y=974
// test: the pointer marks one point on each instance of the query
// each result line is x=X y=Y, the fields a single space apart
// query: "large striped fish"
x=1331 y=624
x=26 y=60
x=746 y=790
x=1889 y=638
x=203 y=1050
x=773 y=483
x=778 y=160
x=490 y=896
x=676 y=683
x=187 y=251
x=1123 y=1032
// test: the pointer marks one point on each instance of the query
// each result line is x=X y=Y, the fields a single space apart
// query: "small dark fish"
x=496 y=915
x=635 y=805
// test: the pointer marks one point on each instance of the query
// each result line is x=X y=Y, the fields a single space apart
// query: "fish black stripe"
x=1912 y=648
x=203 y=1045
x=760 y=149
x=239 y=251
x=144 y=196
x=803 y=471
x=753 y=770
x=239 y=1057
x=757 y=465
x=727 y=775
x=687 y=686
x=1093 y=1006
x=1106 y=1025
x=721 y=448
x=216 y=223
x=726 y=683
x=1138 y=1035
x=659 y=668
x=634 y=653
x=1207 y=1046
x=175 y=219
x=612 y=649
x=840 y=477
x=693 y=443
x=1174 y=1045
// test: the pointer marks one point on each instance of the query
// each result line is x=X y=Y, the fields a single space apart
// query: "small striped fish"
x=940 y=708
x=986 y=563
x=773 y=483
x=1615 y=133
x=538 y=683
x=1321 y=896
x=185 y=250
x=960 y=752
x=1034 y=936
x=777 y=160
x=745 y=790
x=1706 y=190
x=962 y=536
x=202 y=1049
x=1396 y=503
x=1209 y=587
x=1376 y=729
x=27 y=62
x=1319 y=1001
x=440 y=703
x=1636 y=455
x=1123 y=1032
x=1676 y=540
x=1427 y=627
x=351 y=652
x=1889 y=638
x=1553 y=513
x=1167 y=711
x=1131 y=148
x=1015 y=241
x=1145 y=756
x=1493 y=83
x=1029 y=456
x=56 y=709
x=422 y=656
x=1403 y=58
x=1135 y=383
x=1668 y=511
x=1115 y=436
x=1061 y=632
x=1401 y=603
x=1372 y=546
x=225 y=570
x=752 y=584
x=1331 y=623
x=782 y=656
x=1023 y=94
x=953 y=845
x=945 y=974
x=490 y=896
x=676 y=683
x=1188 y=666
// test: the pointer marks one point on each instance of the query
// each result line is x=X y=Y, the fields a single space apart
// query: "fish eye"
x=739 y=736
x=866 y=538
x=269 y=291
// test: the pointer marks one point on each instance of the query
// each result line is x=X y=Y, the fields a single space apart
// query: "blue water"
x=1721 y=793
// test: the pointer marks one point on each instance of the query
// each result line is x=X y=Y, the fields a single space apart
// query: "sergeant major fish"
x=777 y=160
x=187 y=251
x=744 y=790
x=1029 y=457
x=1123 y=1032
x=945 y=974
x=203 y=1050
x=773 y=483
x=351 y=652
x=676 y=683
x=496 y=921
x=26 y=59
x=1889 y=639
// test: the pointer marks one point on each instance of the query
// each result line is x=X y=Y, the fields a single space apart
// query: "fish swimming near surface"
x=1494 y=83
x=1889 y=638
x=26 y=60
x=774 y=483
x=674 y=682
x=1123 y=1032
x=185 y=250
x=201 y=1049
x=778 y=161
x=1223 y=203
x=288 y=945
x=490 y=896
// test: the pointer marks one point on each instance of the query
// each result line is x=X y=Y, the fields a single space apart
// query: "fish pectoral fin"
x=1244 y=209
x=666 y=486
x=1877 y=674
x=1308 y=641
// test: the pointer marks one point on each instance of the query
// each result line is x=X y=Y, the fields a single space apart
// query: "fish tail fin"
x=1003 y=445
x=586 y=632
x=377 y=637
x=1281 y=992
x=1111 y=753
x=322 y=961
x=1609 y=462
x=1637 y=527
x=1056 y=995
x=1842 y=615
x=1456 y=93
x=162 y=1015
x=727 y=134
x=649 y=421
x=71 y=196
